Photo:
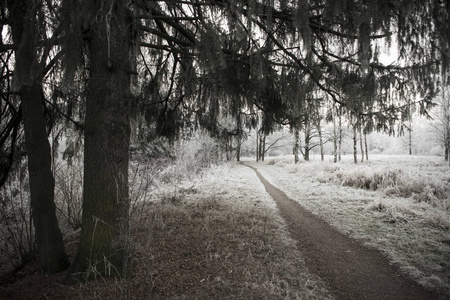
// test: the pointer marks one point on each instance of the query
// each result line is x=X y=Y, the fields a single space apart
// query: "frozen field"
x=398 y=204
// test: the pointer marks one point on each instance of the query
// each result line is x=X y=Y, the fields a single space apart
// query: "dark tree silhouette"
x=29 y=72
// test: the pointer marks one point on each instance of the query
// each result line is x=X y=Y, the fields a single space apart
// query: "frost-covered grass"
x=212 y=233
x=397 y=204
x=244 y=241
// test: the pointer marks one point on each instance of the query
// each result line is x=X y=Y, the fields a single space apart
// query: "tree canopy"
x=141 y=69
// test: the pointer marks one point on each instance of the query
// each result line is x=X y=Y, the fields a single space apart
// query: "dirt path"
x=350 y=270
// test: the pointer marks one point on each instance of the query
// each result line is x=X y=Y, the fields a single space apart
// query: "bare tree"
x=441 y=120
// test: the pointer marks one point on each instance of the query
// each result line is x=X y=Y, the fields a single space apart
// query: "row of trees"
x=121 y=71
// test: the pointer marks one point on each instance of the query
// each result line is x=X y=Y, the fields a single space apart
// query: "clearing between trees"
x=220 y=235
x=351 y=270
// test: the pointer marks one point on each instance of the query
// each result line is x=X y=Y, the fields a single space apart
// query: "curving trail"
x=350 y=270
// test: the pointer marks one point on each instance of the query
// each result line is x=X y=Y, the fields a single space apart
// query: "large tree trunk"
x=104 y=248
x=52 y=257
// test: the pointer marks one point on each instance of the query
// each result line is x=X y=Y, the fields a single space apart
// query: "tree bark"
x=52 y=257
x=227 y=148
x=446 y=123
x=335 y=138
x=365 y=145
x=104 y=248
x=257 y=146
x=447 y=145
x=262 y=146
x=296 y=144
x=307 y=139
x=340 y=137
x=238 y=147
x=355 y=143
x=319 y=129
x=361 y=140
x=231 y=147
x=410 y=138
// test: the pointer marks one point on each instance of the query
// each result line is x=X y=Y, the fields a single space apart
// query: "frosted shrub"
x=17 y=243
x=392 y=182
x=191 y=158
x=272 y=162
x=437 y=219
x=283 y=161
x=68 y=193
x=434 y=195
x=143 y=176
x=378 y=206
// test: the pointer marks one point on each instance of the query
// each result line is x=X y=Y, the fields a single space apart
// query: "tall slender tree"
x=27 y=29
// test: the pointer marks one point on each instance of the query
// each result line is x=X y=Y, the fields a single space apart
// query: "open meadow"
x=214 y=233
x=397 y=204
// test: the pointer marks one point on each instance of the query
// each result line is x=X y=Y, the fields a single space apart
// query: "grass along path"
x=413 y=234
x=351 y=270
x=218 y=236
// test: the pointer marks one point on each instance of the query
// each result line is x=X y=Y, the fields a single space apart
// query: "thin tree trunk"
x=262 y=145
x=231 y=147
x=361 y=140
x=307 y=139
x=52 y=257
x=447 y=141
x=257 y=146
x=296 y=144
x=104 y=249
x=365 y=145
x=340 y=137
x=355 y=143
x=335 y=138
x=227 y=150
x=239 y=138
x=446 y=128
x=238 y=147
x=447 y=147
x=319 y=129
x=410 y=138
x=446 y=125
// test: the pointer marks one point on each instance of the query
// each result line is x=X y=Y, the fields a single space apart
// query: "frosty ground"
x=219 y=235
x=397 y=204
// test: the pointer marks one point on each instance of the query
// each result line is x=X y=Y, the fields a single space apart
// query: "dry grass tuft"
x=208 y=250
